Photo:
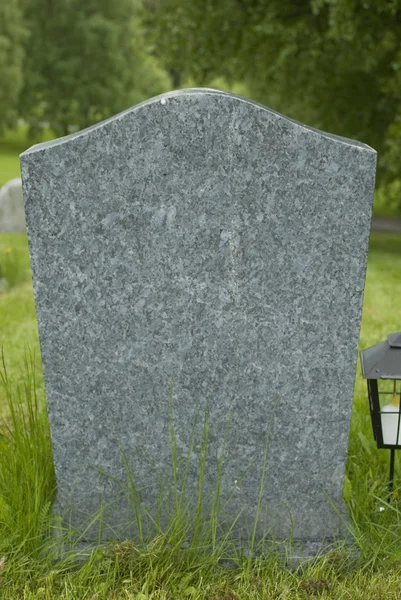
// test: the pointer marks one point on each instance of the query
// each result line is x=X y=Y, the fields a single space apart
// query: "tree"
x=196 y=39
x=84 y=62
x=12 y=35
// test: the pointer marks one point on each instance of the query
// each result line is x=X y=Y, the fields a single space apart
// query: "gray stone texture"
x=202 y=240
x=12 y=216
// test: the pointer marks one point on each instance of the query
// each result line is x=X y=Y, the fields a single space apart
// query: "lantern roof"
x=383 y=361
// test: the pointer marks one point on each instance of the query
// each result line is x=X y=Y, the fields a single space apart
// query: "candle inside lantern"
x=390 y=415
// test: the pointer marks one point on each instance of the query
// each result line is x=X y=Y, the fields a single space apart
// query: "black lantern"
x=381 y=366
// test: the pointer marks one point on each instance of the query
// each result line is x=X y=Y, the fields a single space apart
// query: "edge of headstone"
x=190 y=91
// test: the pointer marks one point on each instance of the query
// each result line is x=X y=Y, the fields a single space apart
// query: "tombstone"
x=12 y=216
x=204 y=245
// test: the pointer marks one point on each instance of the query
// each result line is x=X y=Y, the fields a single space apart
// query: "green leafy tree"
x=197 y=40
x=84 y=62
x=12 y=35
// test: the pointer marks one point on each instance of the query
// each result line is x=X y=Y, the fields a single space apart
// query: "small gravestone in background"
x=203 y=240
x=12 y=216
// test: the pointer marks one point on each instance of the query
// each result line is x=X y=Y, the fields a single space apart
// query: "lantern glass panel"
x=389 y=399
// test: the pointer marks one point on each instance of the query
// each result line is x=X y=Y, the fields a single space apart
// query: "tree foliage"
x=12 y=34
x=84 y=62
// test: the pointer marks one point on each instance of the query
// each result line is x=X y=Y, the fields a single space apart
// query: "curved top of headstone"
x=164 y=98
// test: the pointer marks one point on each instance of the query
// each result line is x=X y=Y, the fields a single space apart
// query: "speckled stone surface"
x=204 y=241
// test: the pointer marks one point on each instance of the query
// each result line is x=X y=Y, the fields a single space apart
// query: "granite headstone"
x=12 y=216
x=204 y=242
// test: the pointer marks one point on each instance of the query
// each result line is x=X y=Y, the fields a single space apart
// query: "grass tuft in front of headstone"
x=27 y=480
x=190 y=544
x=189 y=557
x=189 y=523
x=375 y=512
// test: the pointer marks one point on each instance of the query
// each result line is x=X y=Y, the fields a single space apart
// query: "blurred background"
x=332 y=64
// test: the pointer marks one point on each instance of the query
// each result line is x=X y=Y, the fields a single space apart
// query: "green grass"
x=367 y=468
x=18 y=325
x=162 y=568
x=14 y=261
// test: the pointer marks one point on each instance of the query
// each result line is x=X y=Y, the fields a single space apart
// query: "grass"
x=25 y=501
x=367 y=469
x=14 y=261
x=161 y=568
x=18 y=326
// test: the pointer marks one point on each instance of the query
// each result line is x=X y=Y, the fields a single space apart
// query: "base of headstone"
x=63 y=547
x=300 y=555
x=294 y=555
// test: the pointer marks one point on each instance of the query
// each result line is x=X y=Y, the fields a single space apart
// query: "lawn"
x=18 y=326
x=160 y=570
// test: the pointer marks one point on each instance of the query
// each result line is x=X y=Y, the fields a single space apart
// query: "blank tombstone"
x=202 y=244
